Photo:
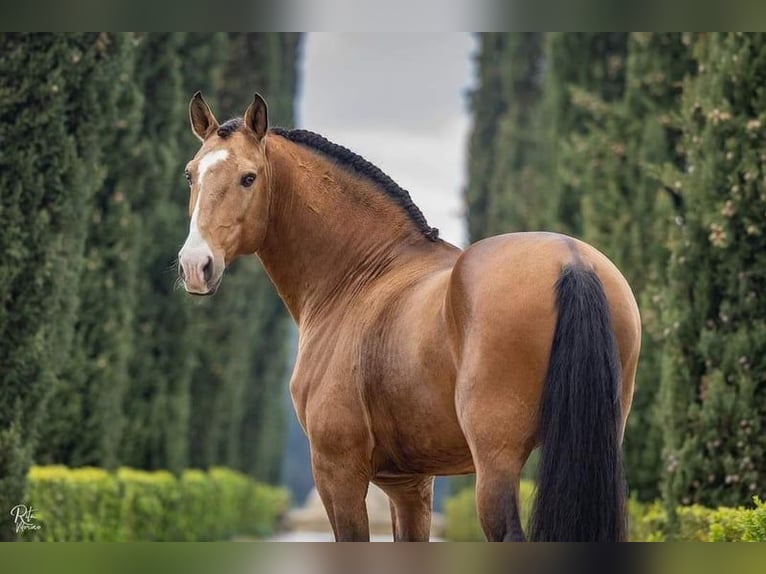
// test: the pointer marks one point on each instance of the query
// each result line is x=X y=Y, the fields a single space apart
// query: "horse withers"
x=418 y=359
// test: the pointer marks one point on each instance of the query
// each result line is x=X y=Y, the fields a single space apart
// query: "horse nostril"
x=181 y=273
x=207 y=270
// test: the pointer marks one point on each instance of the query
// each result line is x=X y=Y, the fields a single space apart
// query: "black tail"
x=581 y=489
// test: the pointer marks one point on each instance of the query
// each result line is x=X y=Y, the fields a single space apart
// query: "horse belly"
x=408 y=442
x=411 y=400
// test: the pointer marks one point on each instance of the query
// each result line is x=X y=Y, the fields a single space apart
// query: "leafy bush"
x=91 y=504
x=74 y=504
x=462 y=522
x=647 y=521
x=699 y=524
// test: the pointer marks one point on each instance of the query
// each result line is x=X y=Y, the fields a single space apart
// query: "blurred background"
x=130 y=411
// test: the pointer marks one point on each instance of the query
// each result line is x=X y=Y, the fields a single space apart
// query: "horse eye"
x=247 y=180
x=187 y=174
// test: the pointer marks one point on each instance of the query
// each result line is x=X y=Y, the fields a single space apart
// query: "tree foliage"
x=714 y=376
x=103 y=362
x=58 y=94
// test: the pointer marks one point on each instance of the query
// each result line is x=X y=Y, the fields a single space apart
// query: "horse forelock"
x=229 y=127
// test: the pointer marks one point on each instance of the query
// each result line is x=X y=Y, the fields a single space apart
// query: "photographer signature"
x=24 y=518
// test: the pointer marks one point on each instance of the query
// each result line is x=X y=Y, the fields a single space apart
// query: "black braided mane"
x=229 y=127
x=364 y=168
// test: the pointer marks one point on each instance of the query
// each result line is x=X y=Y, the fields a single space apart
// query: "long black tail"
x=581 y=488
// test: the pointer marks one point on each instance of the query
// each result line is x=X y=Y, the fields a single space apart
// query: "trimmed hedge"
x=647 y=522
x=91 y=504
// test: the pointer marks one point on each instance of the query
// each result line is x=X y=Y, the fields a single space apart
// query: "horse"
x=415 y=358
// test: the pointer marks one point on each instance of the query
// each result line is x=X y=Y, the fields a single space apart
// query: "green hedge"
x=699 y=524
x=647 y=522
x=131 y=505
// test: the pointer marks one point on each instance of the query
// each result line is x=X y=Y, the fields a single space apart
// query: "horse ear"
x=257 y=116
x=203 y=122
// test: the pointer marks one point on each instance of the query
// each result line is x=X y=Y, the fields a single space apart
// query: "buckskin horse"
x=417 y=358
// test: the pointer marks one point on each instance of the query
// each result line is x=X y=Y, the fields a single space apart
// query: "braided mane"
x=364 y=168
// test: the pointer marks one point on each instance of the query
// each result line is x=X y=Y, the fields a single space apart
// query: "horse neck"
x=330 y=233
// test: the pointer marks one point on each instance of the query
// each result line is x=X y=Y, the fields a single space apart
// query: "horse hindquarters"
x=581 y=489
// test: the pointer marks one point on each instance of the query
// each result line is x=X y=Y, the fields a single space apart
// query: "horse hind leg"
x=497 y=499
x=500 y=434
x=411 y=500
x=498 y=460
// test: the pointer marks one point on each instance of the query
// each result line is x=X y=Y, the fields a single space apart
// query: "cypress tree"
x=488 y=102
x=221 y=369
x=156 y=406
x=626 y=212
x=657 y=66
x=55 y=97
x=263 y=62
x=515 y=198
x=582 y=69
x=262 y=434
x=88 y=423
x=713 y=382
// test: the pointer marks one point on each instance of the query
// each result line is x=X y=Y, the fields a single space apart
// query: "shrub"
x=697 y=523
x=257 y=506
x=198 y=521
x=149 y=504
x=648 y=522
x=91 y=504
x=74 y=504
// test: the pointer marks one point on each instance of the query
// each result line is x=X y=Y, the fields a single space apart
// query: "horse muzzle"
x=198 y=271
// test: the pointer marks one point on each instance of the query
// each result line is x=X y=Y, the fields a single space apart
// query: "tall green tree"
x=204 y=61
x=515 y=198
x=263 y=62
x=627 y=213
x=57 y=96
x=165 y=342
x=489 y=102
x=262 y=431
x=87 y=426
x=582 y=70
x=714 y=368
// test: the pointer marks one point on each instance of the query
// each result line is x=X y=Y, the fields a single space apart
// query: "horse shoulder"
x=322 y=382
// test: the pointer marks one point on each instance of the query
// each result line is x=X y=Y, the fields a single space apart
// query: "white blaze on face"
x=196 y=251
x=207 y=161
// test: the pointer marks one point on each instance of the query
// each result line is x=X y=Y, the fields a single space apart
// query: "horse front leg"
x=342 y=486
